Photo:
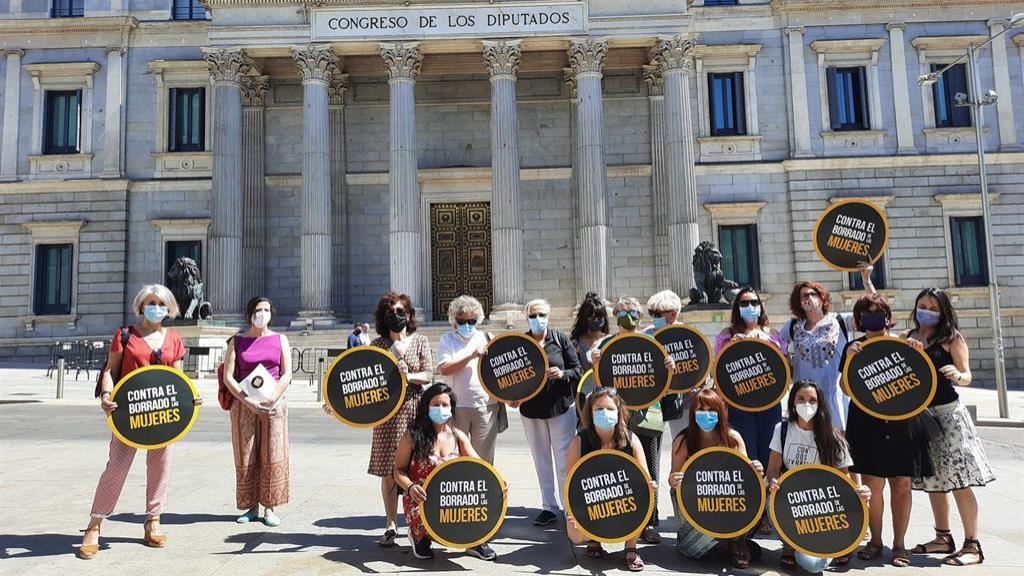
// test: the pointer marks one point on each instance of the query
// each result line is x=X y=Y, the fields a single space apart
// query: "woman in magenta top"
x=259 y=426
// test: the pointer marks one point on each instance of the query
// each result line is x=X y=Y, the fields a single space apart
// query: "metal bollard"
x=60 y=377
x=319 y=380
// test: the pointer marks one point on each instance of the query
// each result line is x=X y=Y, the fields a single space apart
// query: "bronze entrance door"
x=460 y=249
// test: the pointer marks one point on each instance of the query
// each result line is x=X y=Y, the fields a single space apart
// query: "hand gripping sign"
x=514 y=369
x=721 y=494
x=851 y=232
x=818 y=511
x=609 y=496
x=890 y=379
x=364 y=387
x=691 y=354
x=751 y=374
x=465 y=503
x=633 y=364
x=155 y=407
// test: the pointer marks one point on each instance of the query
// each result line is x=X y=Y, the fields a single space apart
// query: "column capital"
x=112 y=49
x=337 y=88
x=586 y=56
x=254 y=91
x=791 y=30
x=502 y=57
x=316 y=62
x=402 y=60
x=654 y=79
x=227 y=64
x=675 y=53
x=1000 y=23
x=569 y=77
x=901 y=26
x=14 y=52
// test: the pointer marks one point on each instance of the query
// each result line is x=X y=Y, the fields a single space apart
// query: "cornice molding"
x=946 y=42
x=802 y=6
x=848 y=46
x=36 y=26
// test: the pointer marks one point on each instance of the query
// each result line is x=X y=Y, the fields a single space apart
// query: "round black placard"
x=514 y=369
x=364 y=387
x=633 y=364
x=584 y=389
x=155 y=407
x=752 y=375
x=609 y=496
x=691 y=353
x=851 y=232
x=817 y=511
x=465 y=503
x=889 y=379
x=721 y=494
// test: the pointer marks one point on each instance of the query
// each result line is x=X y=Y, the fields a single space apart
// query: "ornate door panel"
x=460 y=244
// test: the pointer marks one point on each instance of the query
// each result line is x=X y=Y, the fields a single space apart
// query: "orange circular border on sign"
x=760 y=509
x=589 y=374
x=504 y=505
x=814 y=233
x=565 y=493
x=327 y=377
x=863 y=504
x=188 y=427
x=597 y=367
x=785 y=389
x=707 y=344
x=922 y=408
x=543 y=354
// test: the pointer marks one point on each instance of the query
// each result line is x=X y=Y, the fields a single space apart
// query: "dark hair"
x=421 y=429
x=384 y=306
x=737 y=324
x=592 y=306
x=794 y=299
x=829 y=441
x=864 y=305
x=710 y=398
x=620 y=437
x=250 y=307
x=948 y=328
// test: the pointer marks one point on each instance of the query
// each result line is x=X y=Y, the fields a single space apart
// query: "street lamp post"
x=977 y=102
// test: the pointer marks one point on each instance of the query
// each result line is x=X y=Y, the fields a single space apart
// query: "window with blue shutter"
x=847 y=98
x=727 y=107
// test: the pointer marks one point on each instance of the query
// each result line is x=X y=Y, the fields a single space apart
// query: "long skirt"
x=958 y=458
x=260 y=443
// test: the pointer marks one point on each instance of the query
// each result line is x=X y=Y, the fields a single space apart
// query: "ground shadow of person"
x=40 y=545
x=170 y=518
x=356 y=523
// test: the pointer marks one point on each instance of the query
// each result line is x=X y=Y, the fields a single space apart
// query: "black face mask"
x=395 y=322
x=357 y=331
x=595 y=324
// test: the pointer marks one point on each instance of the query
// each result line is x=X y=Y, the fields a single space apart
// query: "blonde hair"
x=539 y=303
x=160 y=291
x=462 y=306
x=664 y=301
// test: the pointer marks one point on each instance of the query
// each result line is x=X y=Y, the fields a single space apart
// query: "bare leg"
x=967 y=506
x=940 y=509
x=901 y=500
x=92 y=532
x=876 y=507
x=389 y=492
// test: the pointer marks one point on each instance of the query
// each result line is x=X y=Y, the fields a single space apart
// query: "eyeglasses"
x=748 y=303
x=632 y=313
x=471 y=322
x=537 y=315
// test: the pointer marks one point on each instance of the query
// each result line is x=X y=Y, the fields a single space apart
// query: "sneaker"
x=544 y=518
x=421 y=549
x=482 y=552
x=252 y=515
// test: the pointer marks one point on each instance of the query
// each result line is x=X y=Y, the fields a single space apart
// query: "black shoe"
x=650 y=536
x=544 y=518
x=482 y=552
x=422 y=549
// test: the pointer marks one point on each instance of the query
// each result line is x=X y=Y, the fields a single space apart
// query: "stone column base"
x=315 y=320
x=507 y=315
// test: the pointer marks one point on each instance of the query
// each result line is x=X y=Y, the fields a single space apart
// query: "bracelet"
x=104 y=393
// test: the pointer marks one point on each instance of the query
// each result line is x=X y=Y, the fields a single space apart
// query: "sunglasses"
x=471 y=322
x=537 y=315
x=809 y=294
x=632 y=313
x=749 y=303
x=398 y=311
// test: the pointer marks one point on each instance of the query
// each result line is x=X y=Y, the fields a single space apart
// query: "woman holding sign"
x=590 y=327
x=145 y=343
x=957 y=455
x=430 y=441
x=396 y=329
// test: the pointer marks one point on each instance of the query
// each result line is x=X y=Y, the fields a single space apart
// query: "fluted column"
x=569 y=77
x=402 y=63
x=12 y=108
x=339 y=194
x=586 y=58
x=502 y=58
x=656 y=94
x=225 y=272
x=316 y=65
x=675 y=55
x=254 y=202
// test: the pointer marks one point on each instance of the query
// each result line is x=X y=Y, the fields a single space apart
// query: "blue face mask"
x=439 y=414
x=707 y=420
x=466 y=330
x=154 y=313
x=539 y=324
x=750 y=314
x=927 y=317
x=606 y=419
x=659 y=322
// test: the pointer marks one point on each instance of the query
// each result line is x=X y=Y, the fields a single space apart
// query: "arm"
x=107 y=379
x=230 y=361
x=451 y=362
x=865 y=276
x=465 y=446
x=426 y=358
x=286 y=372
x=960 y=370
x=740 y=447
x=679 y=455
x=573 y=370
x=403 y=456
x=774 y=470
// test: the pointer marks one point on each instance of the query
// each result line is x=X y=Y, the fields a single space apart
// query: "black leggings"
x=652 y=452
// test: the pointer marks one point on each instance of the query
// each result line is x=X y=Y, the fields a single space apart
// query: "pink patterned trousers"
x=158 y=468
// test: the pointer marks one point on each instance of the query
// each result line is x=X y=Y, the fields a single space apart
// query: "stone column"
x=675 y=56
x=586 y=58
x=1001 y=74
x=402 y=63
x=316 y=65
x=502 y=58
x=339 y=194
x=254 y=201
x=113 y=114
x=12 y=105
x=227 y=65
x=659 y=185
x=900 y=89
x=798 y=93
x=569 y=77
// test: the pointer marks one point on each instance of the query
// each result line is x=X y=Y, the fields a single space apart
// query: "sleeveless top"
x=586 y=447
x=945 y=392
x=264 y=350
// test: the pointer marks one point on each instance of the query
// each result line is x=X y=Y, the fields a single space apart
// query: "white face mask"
x=806 y=411
x=261 y=319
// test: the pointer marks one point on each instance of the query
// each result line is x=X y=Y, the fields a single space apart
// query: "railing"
x=79 y=355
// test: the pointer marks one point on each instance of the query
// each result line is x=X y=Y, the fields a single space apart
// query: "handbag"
x=224 y=395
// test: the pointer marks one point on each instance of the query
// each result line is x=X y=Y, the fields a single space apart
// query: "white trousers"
x=550 y=438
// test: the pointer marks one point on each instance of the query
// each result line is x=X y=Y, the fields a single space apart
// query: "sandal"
x=153 y=540
x=594 y=550
x=871 y=551
x=900 y=558
x=971 y=548
x=841 y=561
x=765 y=529
x=788 y=558
x=637 y=563
x=739 y=556
x=89 y=551
x=941 y=544
x=388 y=539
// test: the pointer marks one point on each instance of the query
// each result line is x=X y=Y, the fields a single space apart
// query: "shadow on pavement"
x=176 y=519
x=38 y=545
x=357 y=523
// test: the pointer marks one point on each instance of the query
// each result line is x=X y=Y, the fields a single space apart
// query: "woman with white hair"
x=664 y=308
x=458 y=353
x=145 y=343
x=549 y=420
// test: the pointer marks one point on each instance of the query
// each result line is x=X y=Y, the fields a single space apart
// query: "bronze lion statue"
x=711 y=284
x=186 y=283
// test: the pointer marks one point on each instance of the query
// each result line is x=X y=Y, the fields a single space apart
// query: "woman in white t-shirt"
x=807 y=436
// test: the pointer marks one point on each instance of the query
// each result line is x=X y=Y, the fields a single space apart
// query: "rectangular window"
x=947 y=113
x=67 y=9
x=721 y=2
x=187 y=120
x=847 y=98
x=188 y=248
x=188 y=10
x=727 y=109
x=877 y=277
x=970 y=264
x=53 y=279
x=739 y=254
x=61 y=118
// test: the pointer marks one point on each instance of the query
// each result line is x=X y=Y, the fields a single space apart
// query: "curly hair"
x=794 y=299
x=384 y=306
x=592 y=306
